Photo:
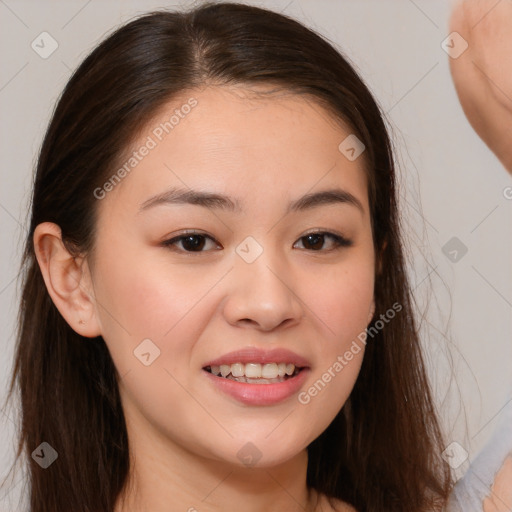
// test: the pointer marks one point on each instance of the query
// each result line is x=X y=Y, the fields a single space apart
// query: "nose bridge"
x=261 y=290
x=260 y=265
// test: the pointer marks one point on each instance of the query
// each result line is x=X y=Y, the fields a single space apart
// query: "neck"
x=166 y=476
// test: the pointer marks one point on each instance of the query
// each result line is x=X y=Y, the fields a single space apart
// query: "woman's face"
x=245 y=276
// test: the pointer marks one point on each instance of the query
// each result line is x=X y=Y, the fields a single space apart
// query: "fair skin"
x=184 y=433
x=482 y=74
x=499 y=498
x=483 y=81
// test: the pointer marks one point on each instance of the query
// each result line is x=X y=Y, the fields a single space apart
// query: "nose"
x=261 y=294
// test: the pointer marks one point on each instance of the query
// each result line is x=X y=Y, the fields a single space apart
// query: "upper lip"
x=258 y=355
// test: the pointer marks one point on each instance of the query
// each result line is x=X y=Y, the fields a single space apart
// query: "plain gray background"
x=451 y=185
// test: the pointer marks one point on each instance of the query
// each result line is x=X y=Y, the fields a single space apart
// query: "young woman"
x=215 y=311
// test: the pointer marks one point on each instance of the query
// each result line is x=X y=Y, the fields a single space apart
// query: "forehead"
x=253 y=143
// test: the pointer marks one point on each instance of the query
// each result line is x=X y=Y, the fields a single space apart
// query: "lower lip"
x=260 y=394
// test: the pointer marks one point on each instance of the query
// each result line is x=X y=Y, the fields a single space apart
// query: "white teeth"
x=254 y=370
x=256 y=381
x=237 y=370
x=290 y=368
x=269 y=371
x=225 y=370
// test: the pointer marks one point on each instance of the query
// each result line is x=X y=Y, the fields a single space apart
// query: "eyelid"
x=183 y=234
x=329 y=232
x=341 y=240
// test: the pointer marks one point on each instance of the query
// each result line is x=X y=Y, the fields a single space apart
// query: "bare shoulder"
x=501 y=491
x=326 y=504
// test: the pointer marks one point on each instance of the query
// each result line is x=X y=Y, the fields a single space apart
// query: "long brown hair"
x=382 y=452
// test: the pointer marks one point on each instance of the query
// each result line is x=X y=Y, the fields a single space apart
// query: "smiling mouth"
x=255 y=373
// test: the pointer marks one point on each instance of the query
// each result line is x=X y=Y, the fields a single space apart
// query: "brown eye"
x=196 y=242
x=192 y=242
x=315 y=241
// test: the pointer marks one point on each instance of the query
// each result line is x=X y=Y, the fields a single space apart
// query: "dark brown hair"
x=382 y=451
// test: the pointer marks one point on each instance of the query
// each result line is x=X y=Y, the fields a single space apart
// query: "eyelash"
x=341 y=241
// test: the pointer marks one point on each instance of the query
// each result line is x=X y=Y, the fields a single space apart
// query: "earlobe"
x=67 y=280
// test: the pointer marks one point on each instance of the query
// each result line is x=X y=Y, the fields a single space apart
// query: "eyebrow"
x=222 y=202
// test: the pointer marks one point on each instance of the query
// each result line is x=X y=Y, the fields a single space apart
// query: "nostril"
x=248 y=321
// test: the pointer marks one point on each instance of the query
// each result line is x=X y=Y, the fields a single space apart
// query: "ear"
x=68 y=280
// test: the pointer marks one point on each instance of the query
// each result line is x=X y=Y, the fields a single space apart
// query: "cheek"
x=137 y=301
x=342 y=302
x=342 y=299
x=150 y=329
